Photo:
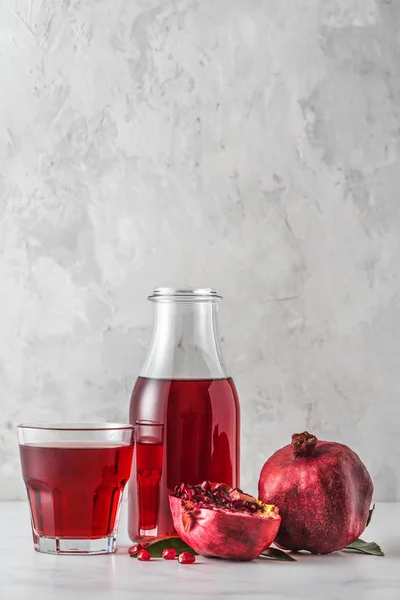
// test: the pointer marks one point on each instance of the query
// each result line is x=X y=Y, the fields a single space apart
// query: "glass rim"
x=76 y=426
x=145 y=422
x=188 y=294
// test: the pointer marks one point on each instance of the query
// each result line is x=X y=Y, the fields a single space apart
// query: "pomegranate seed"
x=169 y=554
x=144 y=555
x=186 y=558
x=135 y=549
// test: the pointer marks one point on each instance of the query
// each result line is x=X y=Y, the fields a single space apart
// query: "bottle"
x=184 y=386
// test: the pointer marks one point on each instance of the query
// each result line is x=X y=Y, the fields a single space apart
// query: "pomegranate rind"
x=217 y=532
x=323 y=498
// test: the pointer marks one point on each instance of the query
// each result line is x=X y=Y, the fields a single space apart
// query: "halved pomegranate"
x=219 y=521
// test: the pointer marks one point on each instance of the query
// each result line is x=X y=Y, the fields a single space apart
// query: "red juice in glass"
x=74 y=489
x=148 y=473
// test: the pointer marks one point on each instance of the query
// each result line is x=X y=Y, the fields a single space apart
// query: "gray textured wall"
x=253 y=145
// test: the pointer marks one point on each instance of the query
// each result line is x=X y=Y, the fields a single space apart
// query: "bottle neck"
x=185 y=342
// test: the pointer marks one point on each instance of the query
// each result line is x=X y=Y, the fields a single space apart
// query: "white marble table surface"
x=27 y=575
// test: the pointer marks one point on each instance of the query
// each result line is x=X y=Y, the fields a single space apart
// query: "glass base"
x=145 y=534
x=54 y=545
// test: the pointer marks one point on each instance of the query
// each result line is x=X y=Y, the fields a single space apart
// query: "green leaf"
x=275 y=554
x=370 y=514
x=365 y=548
x=156 y=548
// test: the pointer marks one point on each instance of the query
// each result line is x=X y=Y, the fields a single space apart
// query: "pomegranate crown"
x=303 y=444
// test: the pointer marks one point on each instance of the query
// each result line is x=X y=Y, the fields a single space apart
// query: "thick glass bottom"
x=54 y=545
x=147 y=535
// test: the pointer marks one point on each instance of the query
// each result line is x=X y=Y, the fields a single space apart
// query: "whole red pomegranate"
x=323 y=491
x=218 y=521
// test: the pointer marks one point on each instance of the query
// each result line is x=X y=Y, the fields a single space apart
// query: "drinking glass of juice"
x=75 y=474
x=149 y=457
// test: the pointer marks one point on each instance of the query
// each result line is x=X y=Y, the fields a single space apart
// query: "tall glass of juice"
x=147 y=475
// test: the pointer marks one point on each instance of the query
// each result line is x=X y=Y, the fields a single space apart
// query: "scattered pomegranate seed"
x=135 y=549
x=169 y=554
x=186 y=558
x=144 y=555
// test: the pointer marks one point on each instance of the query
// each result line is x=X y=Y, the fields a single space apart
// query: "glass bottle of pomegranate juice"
x=183 y=385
